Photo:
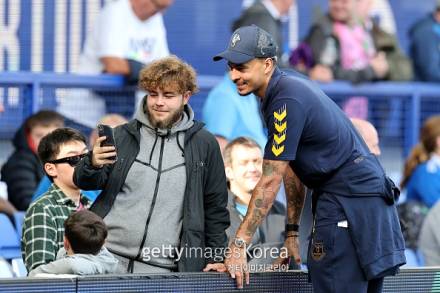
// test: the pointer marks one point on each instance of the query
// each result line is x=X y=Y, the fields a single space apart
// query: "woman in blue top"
x=421 y=176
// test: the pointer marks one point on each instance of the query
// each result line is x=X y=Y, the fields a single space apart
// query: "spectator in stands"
x=429 y=240
x=345 y=44
x=425 y=42
x=43 y=227
x=181 y=198
x=127 y=35
x=227 y=115
x=5 y=206
x=23 y=170
x=112 y=120
x=369 y=133
x=83 y=252
x=243 y=166
x=421 y=176
x=267 y=14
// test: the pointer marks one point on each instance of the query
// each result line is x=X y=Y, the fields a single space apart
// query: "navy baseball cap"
x=247 y=43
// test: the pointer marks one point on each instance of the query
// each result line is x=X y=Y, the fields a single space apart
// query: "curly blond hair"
x=169 y=73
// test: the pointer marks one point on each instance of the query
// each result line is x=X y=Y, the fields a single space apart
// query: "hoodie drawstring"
x=178 y=143
x=154 y=145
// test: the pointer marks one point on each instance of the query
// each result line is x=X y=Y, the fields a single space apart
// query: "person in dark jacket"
x=347 y=45
x=23 y=170
x=243 y=165
x=425 y=46
x=166 y=191
x=268 y=15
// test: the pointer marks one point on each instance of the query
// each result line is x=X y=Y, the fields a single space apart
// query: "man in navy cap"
x=356 y=238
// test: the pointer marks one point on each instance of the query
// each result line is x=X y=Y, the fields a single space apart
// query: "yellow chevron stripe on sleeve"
x=280 y=128
x=277 y=150
x=280 y=116
x=279 y=139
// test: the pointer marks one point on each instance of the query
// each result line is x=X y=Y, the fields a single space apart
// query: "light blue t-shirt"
x=45 y=183
x=424 y=183
x=230 y=115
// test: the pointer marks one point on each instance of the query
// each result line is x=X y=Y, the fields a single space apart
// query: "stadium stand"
x=43 y=44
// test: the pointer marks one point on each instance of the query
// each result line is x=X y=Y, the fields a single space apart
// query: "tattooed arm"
x=295 y=194
x=263 y=197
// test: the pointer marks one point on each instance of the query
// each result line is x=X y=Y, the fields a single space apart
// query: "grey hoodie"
x=79 y=264
x=151 y=199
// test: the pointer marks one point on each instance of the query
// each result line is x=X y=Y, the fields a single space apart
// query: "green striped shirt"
x=43 y=227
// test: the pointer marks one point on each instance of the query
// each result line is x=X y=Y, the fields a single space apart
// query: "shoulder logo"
x=235 y=39
x=279 y=135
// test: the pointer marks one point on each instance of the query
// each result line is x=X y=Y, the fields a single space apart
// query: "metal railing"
x=33 y=88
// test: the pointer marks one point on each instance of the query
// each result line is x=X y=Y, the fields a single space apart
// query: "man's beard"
x=167 y=123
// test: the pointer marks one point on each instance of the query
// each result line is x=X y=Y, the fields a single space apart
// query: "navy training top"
x=308 y=129
x=325 y=151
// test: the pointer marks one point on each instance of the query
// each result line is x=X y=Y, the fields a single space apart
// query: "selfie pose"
x=168 y=173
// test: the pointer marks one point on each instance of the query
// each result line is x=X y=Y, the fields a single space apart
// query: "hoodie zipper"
x=153 y=202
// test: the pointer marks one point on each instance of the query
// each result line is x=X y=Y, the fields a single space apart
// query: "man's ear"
x=67 y=246
x=186 y=97
x=269 y=64
x=66 y=243
x=229 y=173
x=50 y=170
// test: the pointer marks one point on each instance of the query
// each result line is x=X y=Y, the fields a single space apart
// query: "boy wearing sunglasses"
x=43 y=228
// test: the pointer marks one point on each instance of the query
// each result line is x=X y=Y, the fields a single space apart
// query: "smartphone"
x=107 y=131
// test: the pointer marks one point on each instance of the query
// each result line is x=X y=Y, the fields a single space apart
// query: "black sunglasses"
x=72 y=161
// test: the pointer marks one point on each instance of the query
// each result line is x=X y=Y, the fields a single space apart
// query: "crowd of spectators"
x=186 y=182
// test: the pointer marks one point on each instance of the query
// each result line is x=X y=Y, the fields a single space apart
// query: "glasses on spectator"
x=72 y=161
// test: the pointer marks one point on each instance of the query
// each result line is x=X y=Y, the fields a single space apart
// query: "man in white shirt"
x=126 y=35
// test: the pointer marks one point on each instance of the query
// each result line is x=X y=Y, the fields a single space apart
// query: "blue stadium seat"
x=19 y=219
x=5 y=269
x=9 y=241
x=18 y=267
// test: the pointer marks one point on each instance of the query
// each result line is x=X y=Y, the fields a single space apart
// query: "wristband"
x=292 y=228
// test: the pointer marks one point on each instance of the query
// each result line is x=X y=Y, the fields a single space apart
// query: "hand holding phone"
x=109 y=141
x=107 y=131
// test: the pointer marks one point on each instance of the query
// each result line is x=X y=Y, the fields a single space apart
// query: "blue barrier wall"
x=396 y=109
x=408 y=281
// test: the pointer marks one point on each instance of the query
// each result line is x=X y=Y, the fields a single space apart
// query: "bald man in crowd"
x=368 y=133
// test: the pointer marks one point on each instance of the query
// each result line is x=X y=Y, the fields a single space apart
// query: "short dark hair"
x=243 y=141
x=44 y=118
x=85 y=231
x=50 y=145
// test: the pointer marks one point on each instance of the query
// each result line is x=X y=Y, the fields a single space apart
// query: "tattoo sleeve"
x=295 y=194
x=262 y=197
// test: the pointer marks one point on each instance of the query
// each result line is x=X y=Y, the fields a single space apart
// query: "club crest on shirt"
x=279 y=135
x=318 y=251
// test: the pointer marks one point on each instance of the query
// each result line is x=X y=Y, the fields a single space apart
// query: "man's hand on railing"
x=102 y=155
x=216 y=267
x=236 y=264
x=292 y=245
